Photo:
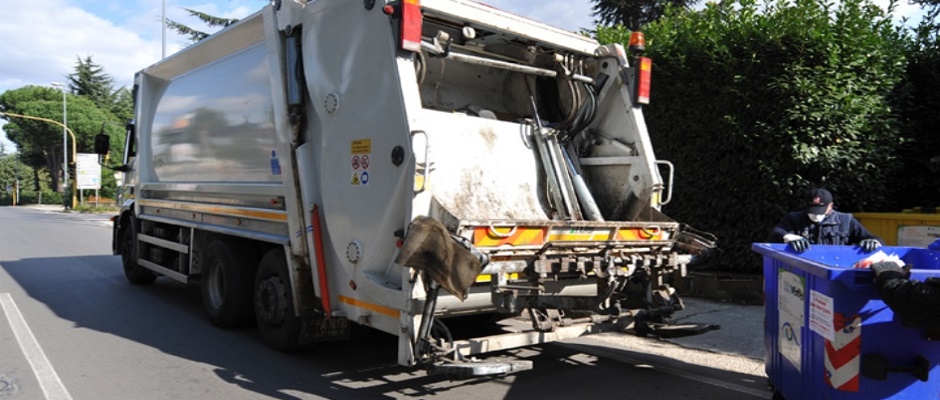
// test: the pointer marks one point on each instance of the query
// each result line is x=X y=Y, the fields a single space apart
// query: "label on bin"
x=917 y=236
x=821 y=315
x=791 y=301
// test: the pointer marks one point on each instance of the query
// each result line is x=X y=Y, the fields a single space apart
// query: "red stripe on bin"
x=840 y=357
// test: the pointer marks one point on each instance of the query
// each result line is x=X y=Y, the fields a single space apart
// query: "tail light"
x=643 y=77
x=411 y=22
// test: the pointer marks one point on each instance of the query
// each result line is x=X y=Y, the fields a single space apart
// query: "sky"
x=43 y=39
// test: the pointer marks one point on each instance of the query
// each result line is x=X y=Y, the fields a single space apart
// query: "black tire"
x=274 y=303
x=227 y=283
x=134 y=273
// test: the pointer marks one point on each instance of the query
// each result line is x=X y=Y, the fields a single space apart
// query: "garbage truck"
x=398 y=164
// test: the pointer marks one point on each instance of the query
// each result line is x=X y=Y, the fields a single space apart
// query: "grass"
x=92 y=209
x=104 y=205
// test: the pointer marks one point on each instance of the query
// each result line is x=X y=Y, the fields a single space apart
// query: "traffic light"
x=71 y=169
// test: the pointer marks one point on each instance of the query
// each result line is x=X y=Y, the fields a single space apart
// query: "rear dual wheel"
x=274 y=303
x=227 y=283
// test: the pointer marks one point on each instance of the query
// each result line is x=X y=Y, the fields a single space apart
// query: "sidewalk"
x=741 y=333
x=46 y=207
x=737 y=347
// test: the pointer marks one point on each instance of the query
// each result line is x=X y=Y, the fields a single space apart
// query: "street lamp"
x=65 y=137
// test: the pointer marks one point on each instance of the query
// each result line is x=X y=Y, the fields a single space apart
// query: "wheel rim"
x=272 y=301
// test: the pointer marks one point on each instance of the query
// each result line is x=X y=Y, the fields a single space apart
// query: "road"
x=73 y=328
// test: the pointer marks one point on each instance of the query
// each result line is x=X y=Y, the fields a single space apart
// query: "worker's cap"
x=817 y=201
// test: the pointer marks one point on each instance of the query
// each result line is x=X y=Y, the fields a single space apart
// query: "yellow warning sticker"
x=361 y=146
x=355 y=179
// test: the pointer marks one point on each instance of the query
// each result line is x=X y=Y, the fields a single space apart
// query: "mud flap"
x=430 y=248
x=319 y=329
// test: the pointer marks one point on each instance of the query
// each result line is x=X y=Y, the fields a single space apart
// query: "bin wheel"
x=777 y=396
x=274 y=303
x=226 y=283
x=134 y=273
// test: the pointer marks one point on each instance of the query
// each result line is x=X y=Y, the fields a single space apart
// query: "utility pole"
x=163 y=26
x=65 y=137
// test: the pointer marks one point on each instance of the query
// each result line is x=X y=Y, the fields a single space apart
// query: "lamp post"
x=163 y=26
x=65 y=137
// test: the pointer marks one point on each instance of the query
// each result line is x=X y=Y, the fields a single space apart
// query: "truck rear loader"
x=329 y=162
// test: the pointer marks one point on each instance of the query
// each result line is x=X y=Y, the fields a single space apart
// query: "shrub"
x=755 y=105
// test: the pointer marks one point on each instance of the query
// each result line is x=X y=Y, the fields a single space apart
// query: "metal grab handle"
x=427 y=163
x=653 y=231
x=493 y=232
x=672 y=171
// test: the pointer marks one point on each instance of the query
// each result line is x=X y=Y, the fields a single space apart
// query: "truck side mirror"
x=102 y=144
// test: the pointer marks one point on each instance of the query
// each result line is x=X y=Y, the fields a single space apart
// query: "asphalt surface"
x=741 y=333
x=730 y=358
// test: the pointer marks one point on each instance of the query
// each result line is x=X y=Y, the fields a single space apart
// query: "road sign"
x=88 y=174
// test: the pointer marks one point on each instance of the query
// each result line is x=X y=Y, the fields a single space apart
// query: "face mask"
x=817 y=218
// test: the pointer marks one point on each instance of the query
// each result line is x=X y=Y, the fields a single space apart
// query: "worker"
x=819 y=223
x=917 y=303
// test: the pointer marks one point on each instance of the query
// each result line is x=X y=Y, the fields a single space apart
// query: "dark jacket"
x=838 y=228
x=917 y=303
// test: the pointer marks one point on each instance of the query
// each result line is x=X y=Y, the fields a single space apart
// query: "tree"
x=921 y=155
x=633 y=14
x=123 y=107
x=40 y=143
x=90 y=80
x=13 y=171
x=196 y=35
x=756 y=104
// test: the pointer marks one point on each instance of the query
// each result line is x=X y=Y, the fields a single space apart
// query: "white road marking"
x=48 y=379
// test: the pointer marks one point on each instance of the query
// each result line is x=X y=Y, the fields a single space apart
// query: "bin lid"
x=836 y=262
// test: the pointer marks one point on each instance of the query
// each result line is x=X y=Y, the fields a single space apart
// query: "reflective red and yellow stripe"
x=484 y=236
x=487 y=236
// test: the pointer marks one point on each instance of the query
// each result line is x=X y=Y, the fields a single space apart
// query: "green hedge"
x=756 y=103
x=32 y=197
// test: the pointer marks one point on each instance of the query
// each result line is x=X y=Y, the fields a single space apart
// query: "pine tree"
x=91 y=81
x=196 y=35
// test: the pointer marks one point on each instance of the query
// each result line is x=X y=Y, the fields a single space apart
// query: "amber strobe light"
x=637 y=42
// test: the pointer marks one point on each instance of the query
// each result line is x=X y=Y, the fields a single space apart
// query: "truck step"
x=471 y=369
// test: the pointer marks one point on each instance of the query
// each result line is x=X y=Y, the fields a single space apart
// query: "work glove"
x=885 y=266
x=799 y=243
x=869 y=245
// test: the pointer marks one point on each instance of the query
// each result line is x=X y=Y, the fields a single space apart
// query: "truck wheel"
x=226 y=284
x=274 y=303
x=132 y=271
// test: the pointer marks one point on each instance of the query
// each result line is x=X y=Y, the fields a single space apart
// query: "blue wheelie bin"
x=828 y=334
